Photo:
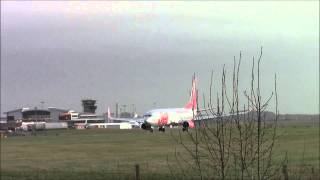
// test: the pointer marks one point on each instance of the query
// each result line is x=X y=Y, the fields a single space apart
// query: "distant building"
x=38 y=115
x=3 y=124
x=3 y=119
x=126 y=115
x=80 y=120
x=15 y=118
x=89 y=106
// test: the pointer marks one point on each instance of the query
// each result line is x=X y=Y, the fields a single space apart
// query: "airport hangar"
x=39 y=115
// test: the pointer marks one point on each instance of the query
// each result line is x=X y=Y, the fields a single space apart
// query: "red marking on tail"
x=192 y=104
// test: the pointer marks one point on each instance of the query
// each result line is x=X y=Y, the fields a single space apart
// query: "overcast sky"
x=143 y=53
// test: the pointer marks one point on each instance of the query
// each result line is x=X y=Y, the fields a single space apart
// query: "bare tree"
x=232 y=140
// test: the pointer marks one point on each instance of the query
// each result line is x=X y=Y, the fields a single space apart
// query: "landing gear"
x=146 y=126
x=162 y=129
x=185 y=126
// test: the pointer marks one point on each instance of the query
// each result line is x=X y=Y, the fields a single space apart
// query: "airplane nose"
x=148 y=120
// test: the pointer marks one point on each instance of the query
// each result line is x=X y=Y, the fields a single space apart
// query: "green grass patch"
x=112 y=154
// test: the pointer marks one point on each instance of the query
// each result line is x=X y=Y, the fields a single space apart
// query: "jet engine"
x=187 y=124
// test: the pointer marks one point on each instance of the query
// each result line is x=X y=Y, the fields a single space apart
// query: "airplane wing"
x=138 y=120
x=207 y=114
x=127 y=119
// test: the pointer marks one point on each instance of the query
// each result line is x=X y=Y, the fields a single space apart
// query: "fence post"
x=137 y=167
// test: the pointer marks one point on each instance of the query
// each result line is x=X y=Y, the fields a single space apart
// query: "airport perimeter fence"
x=83 y=175
x=143 y=171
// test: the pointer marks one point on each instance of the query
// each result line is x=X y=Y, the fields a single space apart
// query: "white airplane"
x=185 y=116
x=135 y=122
x=26 y=126
x=173 y=116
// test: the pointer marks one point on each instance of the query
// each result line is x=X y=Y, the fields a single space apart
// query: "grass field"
x=112 y=154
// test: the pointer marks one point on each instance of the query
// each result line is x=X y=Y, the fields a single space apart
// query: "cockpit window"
x=147 y=115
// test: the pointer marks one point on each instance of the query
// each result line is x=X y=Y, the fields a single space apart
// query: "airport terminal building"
x=35 y=115
x=53 y=117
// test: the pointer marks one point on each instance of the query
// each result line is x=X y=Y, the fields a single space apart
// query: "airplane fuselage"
x=165 y=117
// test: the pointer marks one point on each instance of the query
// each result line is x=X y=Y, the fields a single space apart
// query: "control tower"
x=89 y=106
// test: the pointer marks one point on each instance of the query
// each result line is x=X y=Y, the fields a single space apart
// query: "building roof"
x=66 y=110
x=15 y=110
x=29 y=109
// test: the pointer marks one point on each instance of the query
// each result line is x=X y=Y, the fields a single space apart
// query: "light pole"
x=124 y=107
x=132 y=105
x=42 y=102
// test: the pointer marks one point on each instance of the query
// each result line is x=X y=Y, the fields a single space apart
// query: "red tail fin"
x=192 y=104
